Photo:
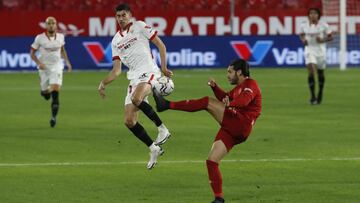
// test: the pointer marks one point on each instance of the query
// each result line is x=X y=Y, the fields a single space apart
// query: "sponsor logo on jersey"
x=254 y=55
x=127 y=44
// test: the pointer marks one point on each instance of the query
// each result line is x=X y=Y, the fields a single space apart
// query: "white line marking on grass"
x=176 y=162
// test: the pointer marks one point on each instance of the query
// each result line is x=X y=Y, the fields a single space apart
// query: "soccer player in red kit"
x=236 y=112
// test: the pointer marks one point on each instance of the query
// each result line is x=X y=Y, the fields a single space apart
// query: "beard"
x=51 y=31
x=234 y=80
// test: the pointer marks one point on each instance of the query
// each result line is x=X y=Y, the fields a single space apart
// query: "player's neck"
x=314 y=22
x=241 y=80
x=52 y=34
x=126 y=26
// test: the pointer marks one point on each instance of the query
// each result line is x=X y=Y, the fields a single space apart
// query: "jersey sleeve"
x=36 y=44
x=115 y=53
x=219 y=93
x=147 y=31
x=246 y=96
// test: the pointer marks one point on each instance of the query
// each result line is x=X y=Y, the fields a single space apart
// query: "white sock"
x=152 y=146
x=162 y=127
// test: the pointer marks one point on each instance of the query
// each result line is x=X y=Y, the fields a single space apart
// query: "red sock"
x=215 y=178
x=190 y=105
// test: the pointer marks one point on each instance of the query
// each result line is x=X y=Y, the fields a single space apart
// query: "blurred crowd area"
x=156 y=5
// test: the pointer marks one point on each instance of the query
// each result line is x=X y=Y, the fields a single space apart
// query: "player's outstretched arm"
x=116 y=71
x=66 y=58
x=162 y=49
x=218 y=92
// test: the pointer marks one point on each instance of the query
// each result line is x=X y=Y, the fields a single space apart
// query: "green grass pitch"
x=296 y=152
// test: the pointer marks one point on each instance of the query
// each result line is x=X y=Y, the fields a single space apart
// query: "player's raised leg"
x=131 y=121
x=213 y=106
x=141 y=91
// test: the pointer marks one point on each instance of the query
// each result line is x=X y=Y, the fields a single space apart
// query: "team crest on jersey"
x=144 y=75
x=127 y=44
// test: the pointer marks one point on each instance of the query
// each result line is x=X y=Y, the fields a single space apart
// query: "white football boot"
x=163 y=135
x=155 y=152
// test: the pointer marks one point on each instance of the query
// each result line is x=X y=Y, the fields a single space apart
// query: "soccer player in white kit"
x=130 y=46
x=50 y=44
x=314 y=34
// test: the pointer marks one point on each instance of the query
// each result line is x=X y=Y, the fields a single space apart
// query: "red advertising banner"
x=26 y=23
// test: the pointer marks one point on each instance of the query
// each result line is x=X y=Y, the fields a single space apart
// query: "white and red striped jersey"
x=131 y=46
x=49 y=47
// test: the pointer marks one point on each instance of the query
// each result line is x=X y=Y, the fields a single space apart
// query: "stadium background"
x=296 y=153
x=262 y=32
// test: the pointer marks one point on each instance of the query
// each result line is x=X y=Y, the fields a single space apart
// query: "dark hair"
x=122 y=7
x=316 y=10
x=241 y=64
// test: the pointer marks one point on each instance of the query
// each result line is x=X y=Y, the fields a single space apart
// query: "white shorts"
x=145 y=77
x=319 y=61
x=50 y=77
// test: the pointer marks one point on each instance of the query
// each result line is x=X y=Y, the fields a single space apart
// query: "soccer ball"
x=164 y=85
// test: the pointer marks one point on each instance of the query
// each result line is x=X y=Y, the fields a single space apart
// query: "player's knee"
x=213 y=159
x=136 y=100
x=55 y=88
x=129 y=122
x=212 y=103
x=211 y=100
x=206 y=100
x=311 y=70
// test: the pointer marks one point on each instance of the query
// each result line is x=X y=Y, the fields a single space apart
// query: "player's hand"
x=320 y=40
x=69 y=66
x=305 y=42
x=42 y=66
x=211 y=82
x=101 y=89
x=168 y=73
x=226 y=100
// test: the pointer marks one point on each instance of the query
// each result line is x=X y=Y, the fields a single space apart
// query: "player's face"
x=232 y=75
x=313 y=16
x=123 y=18
x=51 y=25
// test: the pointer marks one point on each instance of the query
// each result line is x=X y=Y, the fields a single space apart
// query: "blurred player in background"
x=236 y=112
x=51 y=47
x=130 y=46
x=314 y=34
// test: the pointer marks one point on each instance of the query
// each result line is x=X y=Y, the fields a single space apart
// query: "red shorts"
x=235 y=128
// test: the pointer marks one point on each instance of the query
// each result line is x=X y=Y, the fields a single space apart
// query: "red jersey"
x=245 y=98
